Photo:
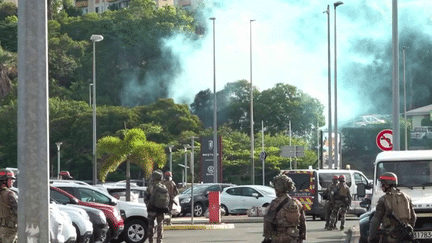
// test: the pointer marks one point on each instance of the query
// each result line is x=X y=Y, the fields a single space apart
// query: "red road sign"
x=384 y=140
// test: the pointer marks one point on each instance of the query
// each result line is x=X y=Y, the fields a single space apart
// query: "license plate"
x=422 y=234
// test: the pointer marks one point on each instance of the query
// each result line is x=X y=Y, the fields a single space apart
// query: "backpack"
x=159 y=197
x=399 y=204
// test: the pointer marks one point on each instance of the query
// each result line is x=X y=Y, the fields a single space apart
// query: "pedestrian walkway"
x=199 y=223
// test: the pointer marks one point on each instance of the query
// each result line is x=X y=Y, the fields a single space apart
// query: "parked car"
x=176 y=208
x=238 y=199
x=421 y=133
x=201 y=201
x=134 y=214
x=81 y=222
x=112 y=214
x=118 y=190
x=364 y=121
x=98 y=220
x=61 y=227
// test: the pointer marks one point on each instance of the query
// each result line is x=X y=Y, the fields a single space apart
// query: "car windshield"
x=325 y=179
x=409 y=173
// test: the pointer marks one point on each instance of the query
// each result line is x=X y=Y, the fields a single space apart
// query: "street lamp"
x=330 y=131
x=335 y=89
x=94 y=39
x=251 y=107
x=58 y=159
x=215 y=143
x=186 y=146
x=170 y=150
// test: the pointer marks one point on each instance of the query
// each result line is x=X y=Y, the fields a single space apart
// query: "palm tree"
x=134 y=148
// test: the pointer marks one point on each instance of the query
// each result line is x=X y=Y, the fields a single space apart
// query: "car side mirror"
x=255 y=195
x=361 y=190
x=74 y=201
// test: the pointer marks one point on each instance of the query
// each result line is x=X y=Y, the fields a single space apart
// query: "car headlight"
x=186 y=200
x=117 y=213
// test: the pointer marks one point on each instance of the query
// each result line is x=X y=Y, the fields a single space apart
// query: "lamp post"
x=335 y=89
x=395 y=77
x=251 y=106
x=90 y=94
x=170 y=156
x=58 y=159
x=404 y=87
x=186 y=146
x=193 y=177
x=215 y=140
x=330 y=131
x=94 y=38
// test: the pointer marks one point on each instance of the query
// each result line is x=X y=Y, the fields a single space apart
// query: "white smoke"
x=289 y=45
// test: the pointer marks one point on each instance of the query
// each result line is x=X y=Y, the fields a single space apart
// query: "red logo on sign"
x=384 y=140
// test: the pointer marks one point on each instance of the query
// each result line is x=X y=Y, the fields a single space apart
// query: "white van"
x=312 y=183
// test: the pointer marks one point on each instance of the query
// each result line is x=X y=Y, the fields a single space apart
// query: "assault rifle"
x=406 y=230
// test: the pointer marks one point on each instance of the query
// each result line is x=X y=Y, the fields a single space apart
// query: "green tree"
x=7 y=9
x=133 y=148
x=8 y=71
x=284 y=103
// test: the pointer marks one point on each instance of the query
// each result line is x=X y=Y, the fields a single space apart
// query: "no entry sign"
x=384 y=140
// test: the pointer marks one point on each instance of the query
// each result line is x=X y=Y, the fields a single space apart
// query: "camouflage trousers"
x=340 y=208
x=159 y=217
x=284 y=238
x=8 y=235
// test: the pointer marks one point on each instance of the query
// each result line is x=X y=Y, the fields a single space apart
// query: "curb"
x=198 y=226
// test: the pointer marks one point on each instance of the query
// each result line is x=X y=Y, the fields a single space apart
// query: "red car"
x=115 y=221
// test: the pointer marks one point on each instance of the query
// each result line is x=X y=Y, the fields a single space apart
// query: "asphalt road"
x=251 y=231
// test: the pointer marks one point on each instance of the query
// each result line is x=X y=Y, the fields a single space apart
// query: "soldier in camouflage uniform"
x=343 y=200
x=8 y=208
x=394 y=213
x=285 y=219
x=328 y=206
x=154 y=213
x=172 y=191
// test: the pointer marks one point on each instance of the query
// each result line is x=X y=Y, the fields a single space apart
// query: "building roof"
x=425 y=110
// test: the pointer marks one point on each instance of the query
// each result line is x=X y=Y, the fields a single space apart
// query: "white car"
x=238 y=199
x=134 y=214
x=176 y=208
x=61 y=227
x=81 y=222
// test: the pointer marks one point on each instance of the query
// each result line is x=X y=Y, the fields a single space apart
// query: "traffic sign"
x=384 y=140
x=292 y=151
x=263 y=155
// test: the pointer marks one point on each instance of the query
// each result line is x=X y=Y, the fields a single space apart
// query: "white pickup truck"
x=414 y=171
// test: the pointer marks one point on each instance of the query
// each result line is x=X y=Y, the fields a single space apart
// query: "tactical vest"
x=398 y=202
x=5 y=209
x=289 y=215
x=344 y=190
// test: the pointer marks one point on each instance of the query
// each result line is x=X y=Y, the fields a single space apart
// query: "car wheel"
x=198 y=210
x=107 y=236
x=225 y=209
x=135 y=231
